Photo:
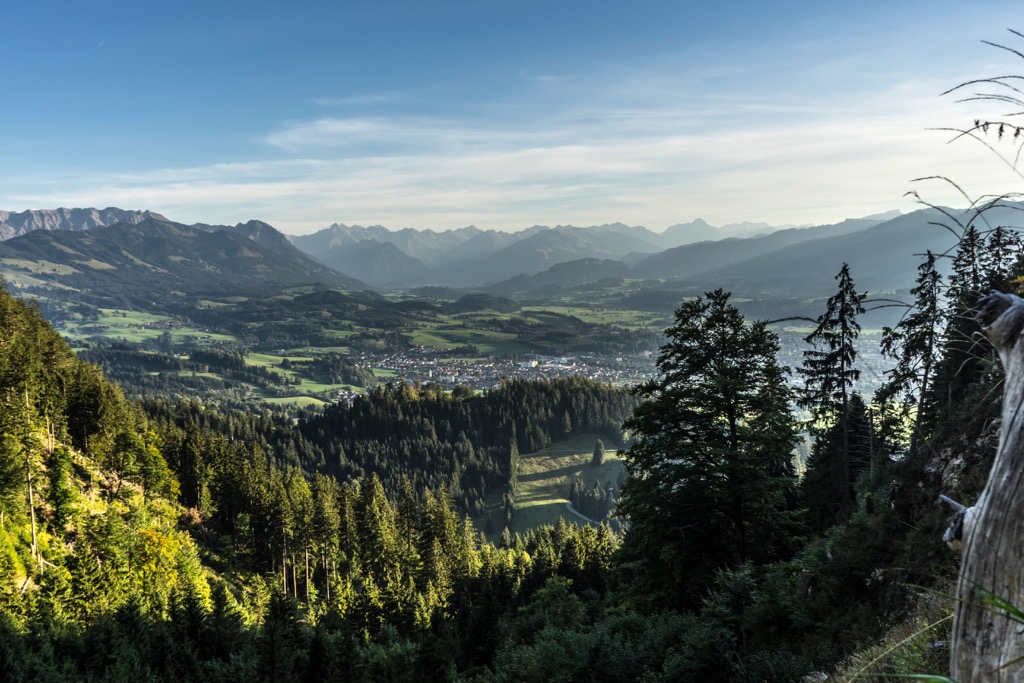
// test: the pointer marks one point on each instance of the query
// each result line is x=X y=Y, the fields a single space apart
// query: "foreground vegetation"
x=173 y=540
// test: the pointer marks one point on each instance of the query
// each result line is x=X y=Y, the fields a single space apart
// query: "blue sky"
x=498 y=113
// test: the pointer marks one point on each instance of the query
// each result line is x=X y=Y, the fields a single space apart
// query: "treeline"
x=797 y=572
x=220 y=377
x=596 y=502
x=334 y=368
x=146 y=374
x=462 y=442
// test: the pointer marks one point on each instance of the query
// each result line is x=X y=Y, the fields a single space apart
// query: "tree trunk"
x=36 y=554
x=327 y=577
x=986 y=641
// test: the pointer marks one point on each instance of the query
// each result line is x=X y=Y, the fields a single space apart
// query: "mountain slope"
x=882 y=258
x=380 y=263
x=544 y=249
x=155 y=261
x=560 y=275
x=428 y=246
x=693 y=260
x=687 y=233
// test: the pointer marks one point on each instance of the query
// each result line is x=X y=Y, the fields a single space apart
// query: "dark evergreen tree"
x=827 y=483
x=913 y=343
x=979 y=265
x=711 y=478
x=829 y=372
x=598 y=458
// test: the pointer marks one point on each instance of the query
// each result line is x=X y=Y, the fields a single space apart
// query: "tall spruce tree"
x=826 y=484
x=829 y=372
x=980 y=263
x=913 y=343
x=711 y=475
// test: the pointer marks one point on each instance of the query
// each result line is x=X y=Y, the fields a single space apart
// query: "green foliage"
x=60 y=494
x=194 y=544
x=711 y=479
x=832 y=475
x=913 y=344
x=830 y=373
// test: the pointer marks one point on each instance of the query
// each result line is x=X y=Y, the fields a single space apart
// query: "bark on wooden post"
x=986 y=641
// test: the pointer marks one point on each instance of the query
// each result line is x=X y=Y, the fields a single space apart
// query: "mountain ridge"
x=156 y=261
x=17 y=223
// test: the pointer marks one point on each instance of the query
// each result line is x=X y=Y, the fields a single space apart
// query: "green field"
x=136 y=326
x=544 y=480
x=606 y=316
x=300 y=401
x=488 y=341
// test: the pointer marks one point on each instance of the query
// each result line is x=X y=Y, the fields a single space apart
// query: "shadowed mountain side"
x=560 y=275
x=13 y=224
x=154 y=260
x=378 y=263
x=452 y=253
x=545 y=249
x=693 y=260
x=478 y=247
x=882 y=258
x=259 y=232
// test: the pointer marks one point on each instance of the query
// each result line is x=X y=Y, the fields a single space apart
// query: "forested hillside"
x=173 y=541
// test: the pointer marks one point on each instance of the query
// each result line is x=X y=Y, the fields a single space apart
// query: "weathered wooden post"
x=986 y=642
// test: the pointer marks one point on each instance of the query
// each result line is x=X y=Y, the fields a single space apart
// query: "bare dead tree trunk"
x=986 y=641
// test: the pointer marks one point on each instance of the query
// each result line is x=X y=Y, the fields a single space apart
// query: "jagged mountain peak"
x=15 y=223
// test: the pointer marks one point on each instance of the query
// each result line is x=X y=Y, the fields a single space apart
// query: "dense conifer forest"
x=174 y=541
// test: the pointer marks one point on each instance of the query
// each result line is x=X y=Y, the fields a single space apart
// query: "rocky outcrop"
x=15 y=223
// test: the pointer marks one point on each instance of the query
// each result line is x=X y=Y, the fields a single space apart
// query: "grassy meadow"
x=544 y=480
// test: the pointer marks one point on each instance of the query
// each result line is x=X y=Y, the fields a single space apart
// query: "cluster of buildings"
x=423 y=365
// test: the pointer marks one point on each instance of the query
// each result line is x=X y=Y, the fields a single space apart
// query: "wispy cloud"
x=725 y=158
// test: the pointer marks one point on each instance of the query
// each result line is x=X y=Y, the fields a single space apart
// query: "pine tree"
x=326 y=524
x=913 y=343
x=598 y=458
x=829 y=371
x=711 y=475
x=826 y=484
x=979 y=265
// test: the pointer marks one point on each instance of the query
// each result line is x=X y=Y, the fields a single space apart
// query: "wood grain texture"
x=985 y=641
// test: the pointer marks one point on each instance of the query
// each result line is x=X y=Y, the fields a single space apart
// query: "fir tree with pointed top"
x=829 y=369
x=913 y=343
x=711 y=478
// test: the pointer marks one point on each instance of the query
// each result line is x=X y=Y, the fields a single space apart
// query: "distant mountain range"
x=147 y=253
x=13 y=224
x=471 y=256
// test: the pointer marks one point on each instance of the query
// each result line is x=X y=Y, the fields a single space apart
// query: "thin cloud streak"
x=642 y=166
